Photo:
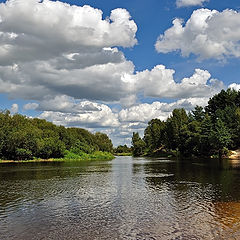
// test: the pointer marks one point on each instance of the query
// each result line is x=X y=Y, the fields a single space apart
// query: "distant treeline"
x=123 y=150
x=25 y=138
x=208 y=131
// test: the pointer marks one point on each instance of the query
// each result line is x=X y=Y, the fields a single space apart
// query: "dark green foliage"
x=123 y=149
x=24 y=138
x=220 y=137
x=103 y=142
x=230 y=98
x=203 y=132
x=138 y=145
x=175 y=128
x=154 y=134
x=198 y=114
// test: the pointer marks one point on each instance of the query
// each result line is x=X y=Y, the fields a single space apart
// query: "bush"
x=23 y=154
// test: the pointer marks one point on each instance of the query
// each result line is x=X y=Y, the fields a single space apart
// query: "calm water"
x=127 y=198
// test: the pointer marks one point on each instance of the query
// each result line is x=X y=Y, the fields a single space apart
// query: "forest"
x=23 y=138
x=204 y=132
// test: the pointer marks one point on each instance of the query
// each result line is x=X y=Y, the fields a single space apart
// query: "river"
x=126 y=198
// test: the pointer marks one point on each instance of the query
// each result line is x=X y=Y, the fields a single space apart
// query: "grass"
x=91 y=156
x=69 y=156
x=33 y=160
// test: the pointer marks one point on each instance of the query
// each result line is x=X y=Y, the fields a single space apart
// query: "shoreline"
x=51 y=160
x=235 y=154
x=58 y=160
x=33 y=160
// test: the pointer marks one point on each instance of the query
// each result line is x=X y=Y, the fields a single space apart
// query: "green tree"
x=174 y=125
x=220 y=138
x=154 y=135
x=123 y=149
x=138 y=145
x=198 y=113
x=104 y=142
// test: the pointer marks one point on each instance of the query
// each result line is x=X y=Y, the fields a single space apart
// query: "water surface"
x=127 y=198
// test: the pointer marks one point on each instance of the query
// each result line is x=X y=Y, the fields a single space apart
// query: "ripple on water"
x=123 y=199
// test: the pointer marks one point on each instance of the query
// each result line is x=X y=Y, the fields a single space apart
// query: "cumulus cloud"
x=67 y=104
x=30 y=106
x=235 y=86
x=187 y=3
x=159 y=82
x=66 y=111
x=65 y=60
x=85 y=114
x=40 y=79
x=70 y=52
x=143 y=113
x=207 y=34
x=49 y=48
x=14 y=108
x=33 y=29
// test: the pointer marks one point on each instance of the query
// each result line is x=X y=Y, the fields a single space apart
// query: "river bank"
x=235 y=154
x=103 y=156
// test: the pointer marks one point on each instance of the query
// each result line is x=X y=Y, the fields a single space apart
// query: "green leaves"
x=203 y=132
x=24 y=138
x=138 y=145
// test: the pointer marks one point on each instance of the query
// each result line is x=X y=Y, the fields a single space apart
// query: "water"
x=127 y=198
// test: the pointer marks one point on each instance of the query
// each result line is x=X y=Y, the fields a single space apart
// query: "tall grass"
x=88 y=156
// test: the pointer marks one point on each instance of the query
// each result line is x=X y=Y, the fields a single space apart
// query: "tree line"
x=123 y=150
x=25 y=138
x=208 y=131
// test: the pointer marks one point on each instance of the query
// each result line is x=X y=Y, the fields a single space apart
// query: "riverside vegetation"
x=34 y=139
x=204 y=132
x=123 y=150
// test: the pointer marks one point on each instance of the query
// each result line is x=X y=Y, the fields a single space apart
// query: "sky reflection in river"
x=126 y=198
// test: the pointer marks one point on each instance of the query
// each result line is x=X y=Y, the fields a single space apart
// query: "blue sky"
x=73 y=66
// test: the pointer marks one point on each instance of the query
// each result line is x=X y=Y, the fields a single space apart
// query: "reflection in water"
x=127 y=198
x=228 y=215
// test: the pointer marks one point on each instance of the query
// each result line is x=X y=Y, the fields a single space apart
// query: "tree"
x=138 y=145
x=104 y=142
x=154 y=134
x=123 y=149
x=206 y=129
x=174 y=125
x=220 y=138
x=198 y=113
x=25 y=138
x=220 y=101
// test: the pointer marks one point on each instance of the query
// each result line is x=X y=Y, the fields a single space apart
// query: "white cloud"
x=70 y=52
x=83 y=114
x=30 y=106
x=143 y=113
x=207 y=34
x=40 y=79
x=65 y=59
x=187 y=3
x=50 y=48
x=67 y=104
x=14 y=108
x=111 y=82
x=119 y=125
x=235 y=86
x=33 y=29
x=159 y=82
